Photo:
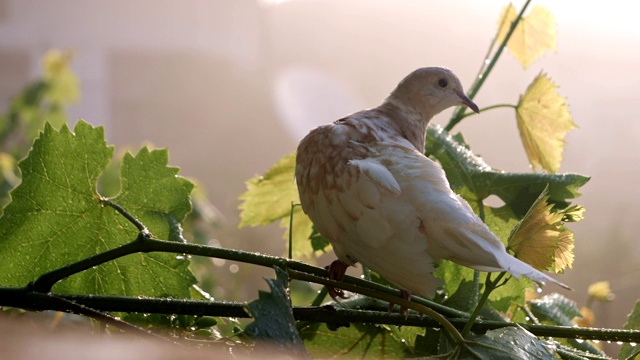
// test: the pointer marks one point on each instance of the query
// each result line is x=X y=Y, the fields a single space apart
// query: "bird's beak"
x=468 y=103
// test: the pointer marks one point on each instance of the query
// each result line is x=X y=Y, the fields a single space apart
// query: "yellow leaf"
x=534 y=35
x=504 y=24
x=587 y=319
x=541 y=239
x=543 y=122
x=268 y=197
x=600 y=291
x=302 y=229
x=563 y=255
x=64 y=85
x=573 y=213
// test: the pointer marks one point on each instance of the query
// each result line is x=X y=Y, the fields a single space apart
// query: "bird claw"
x=336 y=271
x=406 y=295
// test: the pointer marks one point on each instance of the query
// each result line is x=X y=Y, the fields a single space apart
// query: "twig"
x=477 y=84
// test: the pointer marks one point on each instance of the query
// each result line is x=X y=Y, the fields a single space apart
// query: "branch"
x=33 y=296
x=374 y=312
x=458 y=115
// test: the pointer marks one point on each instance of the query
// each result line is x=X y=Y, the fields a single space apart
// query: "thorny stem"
x=486 y=70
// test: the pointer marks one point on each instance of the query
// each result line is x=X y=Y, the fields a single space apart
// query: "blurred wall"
x=231 y=85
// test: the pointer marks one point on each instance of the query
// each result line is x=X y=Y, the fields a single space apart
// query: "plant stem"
x=479 y=81
x=143 y=244
x=45 y=282
x=383 y=296
x=489 y=286
x=132 y=219
x=35 y=296
x=293 y=206
x=476 y=274
x=22 y=298
x=491 y=107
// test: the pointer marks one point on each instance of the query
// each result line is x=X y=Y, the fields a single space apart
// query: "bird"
x=368 y=188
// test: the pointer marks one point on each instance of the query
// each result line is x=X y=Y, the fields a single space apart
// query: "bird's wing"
x=342 y=186
x=453 y=231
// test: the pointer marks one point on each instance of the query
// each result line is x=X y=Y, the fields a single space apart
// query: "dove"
x=368 y=188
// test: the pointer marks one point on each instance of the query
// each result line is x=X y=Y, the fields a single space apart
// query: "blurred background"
x=230 y=86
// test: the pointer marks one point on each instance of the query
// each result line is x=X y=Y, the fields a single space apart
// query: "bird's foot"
x=336 y=272
x=406 y=294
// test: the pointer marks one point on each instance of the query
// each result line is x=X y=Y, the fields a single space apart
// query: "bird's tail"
x=519 y=268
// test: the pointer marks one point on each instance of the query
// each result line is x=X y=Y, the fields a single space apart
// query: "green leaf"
x=56 y=217
x=305 y=241
x=501 y=299
x=355 y=341
x=510 y=343
x=273 y=316
x=474 y=180
x=543 y=121
x=269 y=197
x=319 y=242
x=555 y=309
x=633 y=323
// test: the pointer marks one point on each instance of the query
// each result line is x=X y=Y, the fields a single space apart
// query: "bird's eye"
x=443 y=83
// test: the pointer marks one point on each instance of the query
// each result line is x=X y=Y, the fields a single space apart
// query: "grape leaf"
x=273 y=317
x=268 y=197
x=454 y=275
x=541 y=240
x=556 y=309
x=56 y=217
x=534 y=35
x=629 y=351
x=474 y=180
x=510 y=343
x=302 y=228
x=354 y=341
x=543 y=122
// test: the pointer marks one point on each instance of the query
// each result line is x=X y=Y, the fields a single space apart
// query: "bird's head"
x=430 y=90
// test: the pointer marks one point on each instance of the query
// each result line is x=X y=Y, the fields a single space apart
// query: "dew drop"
x=619 y=342
x=633 y=344
x=595 y=341
x=579 y=341
x=539 y=290
x=180 y=257
x=233 y=268
x=219 y=262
